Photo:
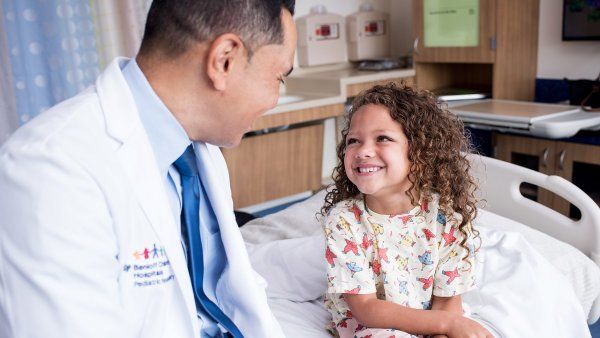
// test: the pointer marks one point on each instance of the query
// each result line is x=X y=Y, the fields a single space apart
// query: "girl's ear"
x=225 y=56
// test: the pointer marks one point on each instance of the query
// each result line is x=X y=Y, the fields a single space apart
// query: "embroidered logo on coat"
x=150 y=266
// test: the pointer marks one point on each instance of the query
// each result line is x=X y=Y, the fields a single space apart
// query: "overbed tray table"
x=537 y=119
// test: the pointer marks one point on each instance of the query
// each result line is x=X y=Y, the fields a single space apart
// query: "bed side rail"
x=499 y=183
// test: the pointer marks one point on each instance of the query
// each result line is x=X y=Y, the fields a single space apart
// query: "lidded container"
x=321 y=38
x=368 y=34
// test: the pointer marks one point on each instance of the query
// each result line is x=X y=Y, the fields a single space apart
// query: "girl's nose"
x=364 y=151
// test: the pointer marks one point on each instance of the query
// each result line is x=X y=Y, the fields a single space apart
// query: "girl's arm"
x=451 y=304
x=376 y=313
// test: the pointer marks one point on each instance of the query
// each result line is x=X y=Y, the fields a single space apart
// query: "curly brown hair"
x=438 y=146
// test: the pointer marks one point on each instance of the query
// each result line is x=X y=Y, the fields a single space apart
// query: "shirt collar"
x=167 y=137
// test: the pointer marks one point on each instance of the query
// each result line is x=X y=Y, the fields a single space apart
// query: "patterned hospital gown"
x=402 y=258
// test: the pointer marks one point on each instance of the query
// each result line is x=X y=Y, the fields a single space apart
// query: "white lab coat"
x=80 y=202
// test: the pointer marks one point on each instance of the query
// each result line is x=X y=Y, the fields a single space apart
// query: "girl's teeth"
x=368 y=170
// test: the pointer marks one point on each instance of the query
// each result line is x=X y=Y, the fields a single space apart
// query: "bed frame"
x=502 y=196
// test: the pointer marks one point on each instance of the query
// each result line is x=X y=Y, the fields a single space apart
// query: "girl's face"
x=376 y=158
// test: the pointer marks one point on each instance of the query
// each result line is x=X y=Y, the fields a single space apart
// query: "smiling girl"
x=398 y=220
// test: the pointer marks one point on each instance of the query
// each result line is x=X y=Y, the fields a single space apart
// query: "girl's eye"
x=350 y=141
x=383 y=138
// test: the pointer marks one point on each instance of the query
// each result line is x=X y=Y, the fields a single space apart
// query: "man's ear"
x=224 y=56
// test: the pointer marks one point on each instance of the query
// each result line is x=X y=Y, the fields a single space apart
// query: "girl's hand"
x=462 y=327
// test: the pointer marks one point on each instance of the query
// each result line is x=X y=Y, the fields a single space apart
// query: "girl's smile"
x=376 y=158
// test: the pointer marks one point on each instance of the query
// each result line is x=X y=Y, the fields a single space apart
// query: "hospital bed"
x=538 y=275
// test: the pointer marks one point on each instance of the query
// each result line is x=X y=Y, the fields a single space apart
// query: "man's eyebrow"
x=288 y=72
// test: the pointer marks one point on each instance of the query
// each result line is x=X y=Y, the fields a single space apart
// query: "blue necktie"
x=190 y=229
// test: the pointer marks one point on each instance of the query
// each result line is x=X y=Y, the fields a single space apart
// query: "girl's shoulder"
x=442 y=217
x=349 y=206
x=430 y=208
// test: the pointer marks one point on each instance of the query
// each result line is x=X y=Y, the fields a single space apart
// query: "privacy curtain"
x=52 y=49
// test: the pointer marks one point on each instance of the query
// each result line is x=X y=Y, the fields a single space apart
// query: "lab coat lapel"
x=135 y=155
x=137 y=159
x=245 y=302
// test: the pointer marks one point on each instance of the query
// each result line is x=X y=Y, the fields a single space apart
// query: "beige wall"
x=341 y=7
x=401 y=27
x=400 y=16
x=557 y=58
x=400 y=13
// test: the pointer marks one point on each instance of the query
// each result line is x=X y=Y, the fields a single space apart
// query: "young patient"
x=398 y=221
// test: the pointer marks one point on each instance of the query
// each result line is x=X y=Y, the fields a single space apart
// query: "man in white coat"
x=96 y=238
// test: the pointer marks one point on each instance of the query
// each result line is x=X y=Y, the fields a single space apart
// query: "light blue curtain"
x=8 y=116
x=52 y=51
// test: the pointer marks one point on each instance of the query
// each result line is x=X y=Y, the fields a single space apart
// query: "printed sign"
x=451 y=23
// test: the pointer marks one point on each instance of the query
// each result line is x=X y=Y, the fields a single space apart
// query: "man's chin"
x=229 y=140
x=230 y=143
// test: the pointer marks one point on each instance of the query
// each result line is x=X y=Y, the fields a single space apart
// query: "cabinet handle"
x=561 y=160
x=416 y=46
x=545 y=158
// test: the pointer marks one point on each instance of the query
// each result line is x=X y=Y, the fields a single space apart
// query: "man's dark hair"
x=172 y=25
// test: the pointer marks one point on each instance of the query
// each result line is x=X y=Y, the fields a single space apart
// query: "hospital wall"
x=557 y=59
x=400 y=13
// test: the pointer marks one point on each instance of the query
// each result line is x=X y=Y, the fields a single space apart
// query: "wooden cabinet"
x=284 y=157
x=504 y=61
x=275 y=165
x=580 y=164
x=577 y=163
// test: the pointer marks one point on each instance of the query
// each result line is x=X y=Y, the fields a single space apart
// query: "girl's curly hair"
x=438 y=146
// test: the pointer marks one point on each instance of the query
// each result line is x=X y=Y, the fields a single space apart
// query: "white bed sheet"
x=295 y=271
x=581 y=272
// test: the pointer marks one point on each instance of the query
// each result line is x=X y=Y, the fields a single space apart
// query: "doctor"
x=116 y=218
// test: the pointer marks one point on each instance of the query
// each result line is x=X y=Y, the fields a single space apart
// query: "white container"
x=321 y=38
x=368 y=34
